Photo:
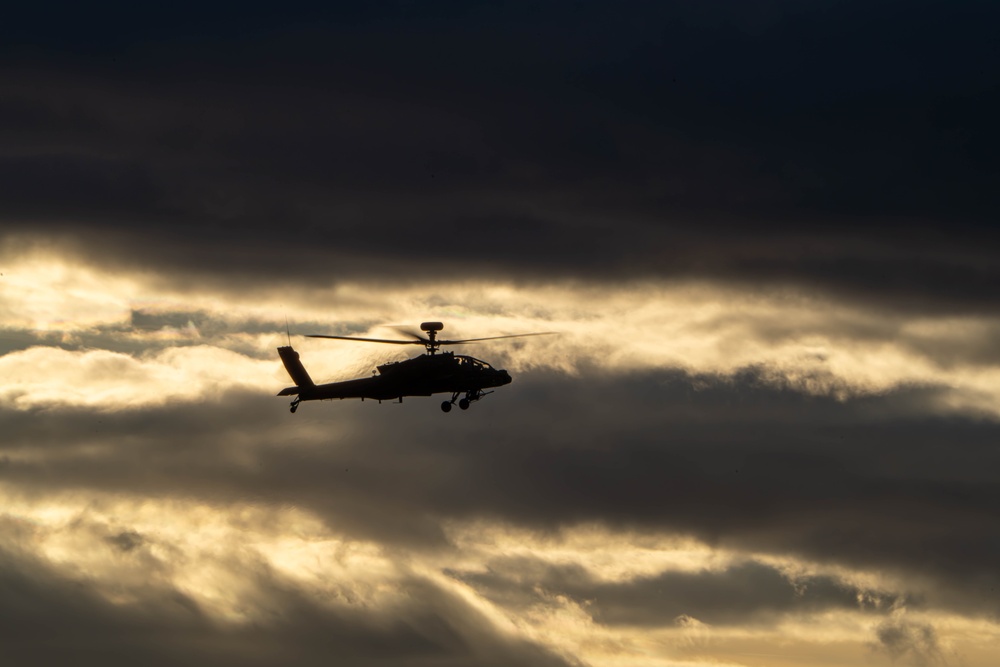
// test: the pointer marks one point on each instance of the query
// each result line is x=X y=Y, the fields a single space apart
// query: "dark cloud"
x=871 y=483
x=742 y=594
x=126 y=540
x=572 y=140
x=910 y=642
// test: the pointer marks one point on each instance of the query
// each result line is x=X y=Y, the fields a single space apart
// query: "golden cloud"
x=815 y=345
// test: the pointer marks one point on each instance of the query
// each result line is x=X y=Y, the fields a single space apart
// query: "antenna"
x=287 y=332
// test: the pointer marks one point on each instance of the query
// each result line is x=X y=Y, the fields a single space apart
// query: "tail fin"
x=290 y=358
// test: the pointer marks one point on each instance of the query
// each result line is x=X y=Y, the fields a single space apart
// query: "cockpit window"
x=473 y=363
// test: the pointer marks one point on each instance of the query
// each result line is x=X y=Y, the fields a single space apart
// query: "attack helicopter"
x=434 y=372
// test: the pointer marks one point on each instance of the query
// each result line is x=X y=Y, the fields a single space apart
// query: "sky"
x=766 y=434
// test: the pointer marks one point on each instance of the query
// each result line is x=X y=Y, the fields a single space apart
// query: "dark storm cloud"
x=572 y=139
x=912 y=642
x=742 y=594
x=126 y=540
x=871 y=483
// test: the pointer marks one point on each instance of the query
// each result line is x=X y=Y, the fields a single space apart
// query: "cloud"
x=907 y=641
x=732 y=464
x=41 y=377
x=219 y=581
x=770 y=416
x=126 y=540
x=743 y=593
x=723 y=414
x=756 y=511
x=196 y=339
x=357 y=149
x=163 y=625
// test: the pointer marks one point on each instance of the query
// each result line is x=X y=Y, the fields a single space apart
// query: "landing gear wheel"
x=464 y=404
x=446 y=406
x=293 y=409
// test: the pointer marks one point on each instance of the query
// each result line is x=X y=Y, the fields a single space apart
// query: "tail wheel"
x=464 y=404
x=446 y=406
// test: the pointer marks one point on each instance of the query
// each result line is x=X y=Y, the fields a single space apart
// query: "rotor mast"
x=431 y=343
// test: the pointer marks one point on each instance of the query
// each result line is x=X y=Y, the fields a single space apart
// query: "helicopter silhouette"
x=434 y=372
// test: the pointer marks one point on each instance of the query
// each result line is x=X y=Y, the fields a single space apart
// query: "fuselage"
x=444 y=372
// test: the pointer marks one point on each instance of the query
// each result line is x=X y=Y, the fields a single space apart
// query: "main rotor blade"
x=407 y=332
x=370 y=340
x=473 y=340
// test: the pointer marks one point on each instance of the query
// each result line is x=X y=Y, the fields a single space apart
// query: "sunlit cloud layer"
x=40 y=376
x=190 y=547
x=814 y=344
x=243 y=566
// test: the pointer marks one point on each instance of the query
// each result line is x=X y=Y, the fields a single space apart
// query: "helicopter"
x=434 y=372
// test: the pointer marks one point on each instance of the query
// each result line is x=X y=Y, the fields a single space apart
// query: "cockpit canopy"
x=472 y=363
